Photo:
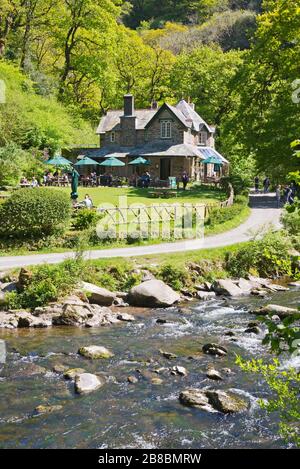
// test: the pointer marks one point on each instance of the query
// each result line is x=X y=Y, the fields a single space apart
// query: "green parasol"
x=112 y=162
x=86 y=161
x=59 y=161
x=140 y=161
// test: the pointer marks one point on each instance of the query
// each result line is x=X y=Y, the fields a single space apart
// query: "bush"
x=267 y=257
x=31 y=213
x=85 y=218
x=173 y=276
x=219 y=215
x=291 y=218
x=48 y=283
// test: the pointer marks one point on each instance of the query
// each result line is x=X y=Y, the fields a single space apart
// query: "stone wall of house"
x=153 y=131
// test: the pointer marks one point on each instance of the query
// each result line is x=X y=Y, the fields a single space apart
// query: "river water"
x=142 y=415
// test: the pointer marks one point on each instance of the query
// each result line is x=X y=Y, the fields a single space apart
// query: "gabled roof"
x=191 y=115
x=111 y=121
x=183 y=112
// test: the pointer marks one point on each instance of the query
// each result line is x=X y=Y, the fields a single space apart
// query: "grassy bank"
x=268 y=257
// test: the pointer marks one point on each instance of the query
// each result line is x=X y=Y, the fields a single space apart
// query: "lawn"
x=104 y=195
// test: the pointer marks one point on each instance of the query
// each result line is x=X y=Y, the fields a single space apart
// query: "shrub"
x=48 y=283
x=268 y=257
x=219 y=215
x=291 y=218
x=173 y=276
x=31 y=213
x=84 y=219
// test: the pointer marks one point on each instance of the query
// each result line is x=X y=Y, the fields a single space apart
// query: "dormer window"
x=202 y=138
x=113 y=137
x=166 y=128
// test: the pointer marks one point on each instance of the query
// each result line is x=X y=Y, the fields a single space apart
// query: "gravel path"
x=264 y=214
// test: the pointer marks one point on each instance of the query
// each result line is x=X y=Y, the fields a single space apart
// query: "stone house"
x=174 y=138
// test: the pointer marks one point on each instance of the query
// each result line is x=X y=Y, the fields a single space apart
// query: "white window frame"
x=113 y=137
x=202 y=138
x=166 y=129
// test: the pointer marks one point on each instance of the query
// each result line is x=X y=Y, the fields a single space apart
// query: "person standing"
x=185 y=180
x=256 y=184
x=267 y=184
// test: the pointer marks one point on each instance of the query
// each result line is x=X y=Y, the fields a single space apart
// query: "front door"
x=165 y=168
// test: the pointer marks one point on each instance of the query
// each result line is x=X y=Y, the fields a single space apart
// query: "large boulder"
x=226 y=402
x=153 y=293
x=98 y=295
x=195 y=398
x=73 y=315
x=26 y=319
x=95 y=352
x=281 y=311
x=214 y=349
x=86 y=383
x=228 y=288
x=8 y=320
x=213 y=400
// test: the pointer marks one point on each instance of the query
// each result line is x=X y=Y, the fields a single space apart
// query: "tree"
x=205 y=75
x=266 y=84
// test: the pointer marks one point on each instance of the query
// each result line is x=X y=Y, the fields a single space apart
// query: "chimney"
x=154 y=105
x=128 y=105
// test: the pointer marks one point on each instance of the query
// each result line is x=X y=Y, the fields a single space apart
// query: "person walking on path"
x=267 y=184
x=256 y=184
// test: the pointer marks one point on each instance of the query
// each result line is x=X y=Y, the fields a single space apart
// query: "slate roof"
x=183 y=112
x=111 y=121
x=153 y=150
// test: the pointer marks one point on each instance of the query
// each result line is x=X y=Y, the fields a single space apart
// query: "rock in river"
x=153 y=293
x=228 y=288
x=226 y=402
x=95 y=352
x=213 y=400
x=47 y=409
x=98 y=295
x=86 y=383
x=214 y=349
x=214 y=374
x=281 y=311
x=195 y=398
x=73 y=372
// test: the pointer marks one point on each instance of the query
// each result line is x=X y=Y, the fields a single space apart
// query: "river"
x=141 y=415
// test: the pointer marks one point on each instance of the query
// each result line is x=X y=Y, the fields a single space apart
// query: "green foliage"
x=218 y=216
x=84 y=219
x=267 y=257
x=48 y=283
x=285 y=388
x=283 y=336
x=37 y=212
x=173 y=276
x=14 y=162
x=32 y=121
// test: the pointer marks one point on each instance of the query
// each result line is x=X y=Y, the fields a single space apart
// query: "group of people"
x=266 y=184
x=285 y=194
x=29 y=183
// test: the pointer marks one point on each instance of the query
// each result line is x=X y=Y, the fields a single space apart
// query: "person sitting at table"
x=23 y=181
x=34 y=182
x=94 y=178
x=88 y=201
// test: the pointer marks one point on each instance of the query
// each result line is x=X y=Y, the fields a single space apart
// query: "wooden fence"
x=162 y=212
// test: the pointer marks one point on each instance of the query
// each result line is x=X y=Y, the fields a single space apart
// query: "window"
x=166 y=129
x=202 y=138
x=113 y=137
